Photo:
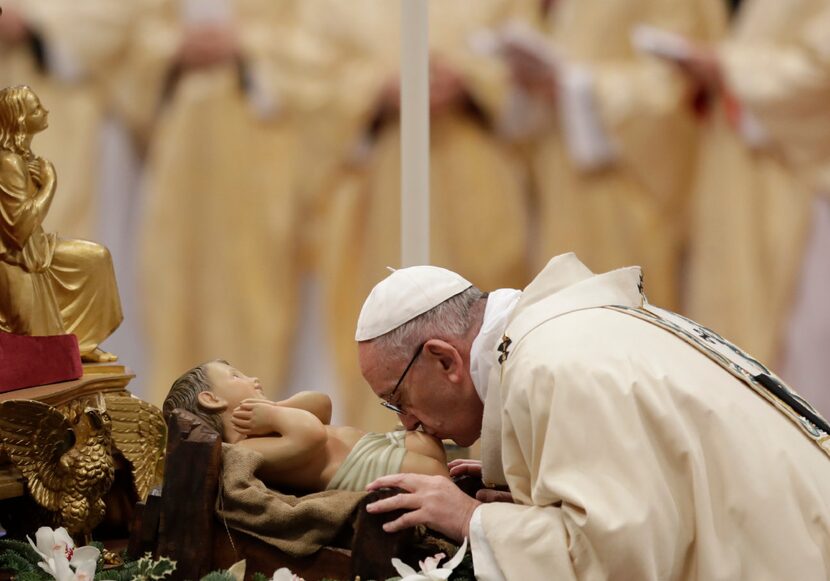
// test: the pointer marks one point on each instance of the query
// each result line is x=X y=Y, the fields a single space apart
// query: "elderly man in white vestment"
x=635 y=443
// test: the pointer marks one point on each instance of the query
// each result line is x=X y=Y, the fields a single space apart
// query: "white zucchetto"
x=405 y=294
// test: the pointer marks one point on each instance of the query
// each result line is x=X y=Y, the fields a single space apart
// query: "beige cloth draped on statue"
x=219 y=226
x=478 y=205
x=630 y=205
x=298 y=525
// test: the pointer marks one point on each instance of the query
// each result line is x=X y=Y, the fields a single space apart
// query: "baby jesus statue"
x=302 y=450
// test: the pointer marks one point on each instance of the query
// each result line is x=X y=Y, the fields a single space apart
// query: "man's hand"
x=433 y=501
x=446 y=86
x=703 y=68
x=253 y=417
x=208 y=45
x=467 y=467
x=13 y=28
x=530 y=71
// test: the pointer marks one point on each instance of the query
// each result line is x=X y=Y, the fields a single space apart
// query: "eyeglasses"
x=396 y=408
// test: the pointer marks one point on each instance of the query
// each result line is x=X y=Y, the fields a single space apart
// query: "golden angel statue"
x=48 y=286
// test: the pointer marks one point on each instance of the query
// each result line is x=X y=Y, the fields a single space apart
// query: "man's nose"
x=409 y=421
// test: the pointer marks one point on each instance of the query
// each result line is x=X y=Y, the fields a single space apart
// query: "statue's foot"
x=98 y=355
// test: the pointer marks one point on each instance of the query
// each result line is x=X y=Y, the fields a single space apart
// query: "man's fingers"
x=471 y=467
x=488 y=495
x=405 y=481
x=462 y=461
x=397 y=502
x=405 y=521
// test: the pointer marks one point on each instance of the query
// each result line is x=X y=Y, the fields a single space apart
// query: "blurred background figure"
x=218 y=232
x=68 y=52
x=241 y=160
x=759 y=272
x=62 y=50
x=478 y=198
x=613 y=144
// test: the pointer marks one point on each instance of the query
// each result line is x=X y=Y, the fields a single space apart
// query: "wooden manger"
x=181 y=523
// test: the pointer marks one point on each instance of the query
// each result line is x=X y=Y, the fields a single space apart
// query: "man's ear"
x=447 y=356
x=211 y=402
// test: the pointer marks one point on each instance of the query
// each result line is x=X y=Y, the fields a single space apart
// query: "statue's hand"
x=41 y=171
x=34 y=166
x=254 y=417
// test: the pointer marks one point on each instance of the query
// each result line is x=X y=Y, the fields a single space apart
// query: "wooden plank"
x=144 y=528
x=194 y=452
x=372 y=547
x=260 y=557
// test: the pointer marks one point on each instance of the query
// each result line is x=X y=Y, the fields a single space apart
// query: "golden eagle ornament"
x=66 y=453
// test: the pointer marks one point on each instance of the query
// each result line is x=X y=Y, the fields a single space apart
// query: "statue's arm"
x=315 y=402
x=23 y=208
x=300 y=433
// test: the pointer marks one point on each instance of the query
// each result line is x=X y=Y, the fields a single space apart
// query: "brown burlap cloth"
x=297 y=525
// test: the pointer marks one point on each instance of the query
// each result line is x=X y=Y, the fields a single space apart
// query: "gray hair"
x=449 y=320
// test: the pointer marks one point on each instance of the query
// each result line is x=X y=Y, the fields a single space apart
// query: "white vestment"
x=631 y=455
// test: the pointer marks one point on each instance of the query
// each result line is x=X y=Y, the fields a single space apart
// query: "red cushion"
x=29 y=361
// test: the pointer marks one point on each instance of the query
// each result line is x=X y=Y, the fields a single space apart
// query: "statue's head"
x=212 y=391
x=184 y=394
x=21 y=115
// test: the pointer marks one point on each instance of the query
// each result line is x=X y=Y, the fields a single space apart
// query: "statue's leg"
x=27 y=303
x=83 y=280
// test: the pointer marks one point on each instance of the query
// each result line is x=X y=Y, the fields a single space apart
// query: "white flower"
x=285 y=574
x=61 y=559
x=237 y=570
x=84 y=560
x=429 y=566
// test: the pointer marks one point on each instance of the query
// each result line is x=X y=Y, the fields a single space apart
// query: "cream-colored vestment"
x=631 y=455
x=478 y=206
x=627 y=206
x=753 y=193
x=218 y=228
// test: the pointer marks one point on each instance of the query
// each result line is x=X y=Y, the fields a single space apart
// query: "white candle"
x=414 y=132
